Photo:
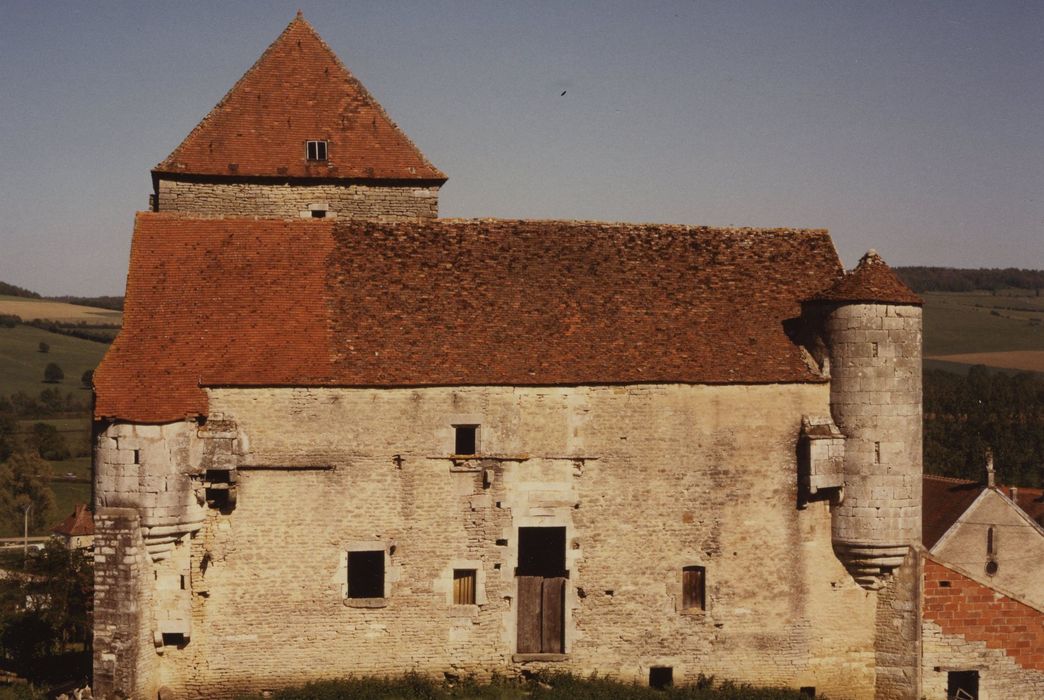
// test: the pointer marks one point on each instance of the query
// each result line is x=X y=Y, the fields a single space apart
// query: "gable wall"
x=1019 y=547
x=646 y=480
x=285 y=201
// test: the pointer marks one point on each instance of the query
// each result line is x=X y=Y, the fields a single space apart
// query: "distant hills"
x=951 y=279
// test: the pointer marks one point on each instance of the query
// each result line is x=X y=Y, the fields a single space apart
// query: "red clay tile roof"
x=298 y=91
x=943 y=501
x=871 y=281
x=79 y=523
x=214 y=302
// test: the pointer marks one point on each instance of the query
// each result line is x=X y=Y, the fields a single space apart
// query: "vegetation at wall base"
x=539 y=686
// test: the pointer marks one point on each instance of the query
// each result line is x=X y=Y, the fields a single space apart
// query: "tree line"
x=966 y=415
x=950 y=279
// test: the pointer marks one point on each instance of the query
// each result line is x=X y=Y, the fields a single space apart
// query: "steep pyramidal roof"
x=871 y=281
x=244 y=302
x=296 y=92
x=79 y=523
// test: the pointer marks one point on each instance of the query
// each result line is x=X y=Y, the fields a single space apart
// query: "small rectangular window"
x=464 y=586
x=694 y=588
x=366 y=574
x=661 y=677
x=316 y=150
x=466 y=440
x=318 y=213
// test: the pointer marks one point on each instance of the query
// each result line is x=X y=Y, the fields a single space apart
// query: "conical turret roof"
x=871 y=281
x=299 y=91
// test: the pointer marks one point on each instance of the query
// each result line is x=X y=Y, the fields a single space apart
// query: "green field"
x=980 y=322
x=22 y=364
x=21 y=369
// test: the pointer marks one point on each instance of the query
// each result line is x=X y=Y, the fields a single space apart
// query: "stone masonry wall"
x=125 y=662
x=286 y=201
x=898 y=638
x=645 y=479
x=875 y=366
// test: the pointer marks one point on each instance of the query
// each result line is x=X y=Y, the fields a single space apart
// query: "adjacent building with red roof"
x=339 y=435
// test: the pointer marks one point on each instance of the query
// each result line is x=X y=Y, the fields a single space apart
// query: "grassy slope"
x=22 y=365
x=21 y=369
x=963 y=322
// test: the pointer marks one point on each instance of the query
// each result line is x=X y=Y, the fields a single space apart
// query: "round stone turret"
x=872 y=329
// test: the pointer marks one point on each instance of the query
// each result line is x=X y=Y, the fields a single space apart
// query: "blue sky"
x=916 y=128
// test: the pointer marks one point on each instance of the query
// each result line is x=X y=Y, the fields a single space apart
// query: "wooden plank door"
x=541 y=578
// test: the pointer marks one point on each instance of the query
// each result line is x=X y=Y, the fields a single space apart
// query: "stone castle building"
x=338 y=434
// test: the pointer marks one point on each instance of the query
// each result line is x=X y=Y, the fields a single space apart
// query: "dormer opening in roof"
x=283 y=148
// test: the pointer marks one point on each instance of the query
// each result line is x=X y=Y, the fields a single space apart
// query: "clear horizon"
x=913 y=129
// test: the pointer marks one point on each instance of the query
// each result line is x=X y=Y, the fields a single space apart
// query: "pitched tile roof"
x=298 y=91
x=871 y=281
x=79 y=523
x=451 y=302
x=945 y=499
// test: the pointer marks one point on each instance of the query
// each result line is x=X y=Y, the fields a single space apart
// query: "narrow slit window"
x=464 y=586
x=366 y=574
x=316 y=150
x=991 y=544
x=466 y=442
x=877 y=453
x=694 y=588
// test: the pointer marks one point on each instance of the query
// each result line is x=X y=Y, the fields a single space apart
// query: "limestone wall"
x=125 y=662
x=875 y=365
x=286 y=201
x=646 y=480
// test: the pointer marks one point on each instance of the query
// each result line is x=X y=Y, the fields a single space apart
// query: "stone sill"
x=366 y=602
x=524 y=658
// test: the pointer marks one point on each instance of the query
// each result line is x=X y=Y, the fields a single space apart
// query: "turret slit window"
x=316 y=150
x=991 y=543
x=694 y=588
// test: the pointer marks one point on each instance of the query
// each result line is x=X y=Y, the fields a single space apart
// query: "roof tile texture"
x=871 y=281
x=298 y=91
x=471 y=302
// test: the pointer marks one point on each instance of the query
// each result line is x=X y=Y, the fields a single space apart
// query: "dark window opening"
x=366 y=574
x=316 y=150
x=992 y=568
x=541 y=551
x=808 y=691
x=318 y=213
x=466 y=442
x=990 y=542
x=661 y=677
x=173 y=639
x=694 y=588
x=464 y=586
x=962 y=685
x=944 y=584
x=137 y=456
